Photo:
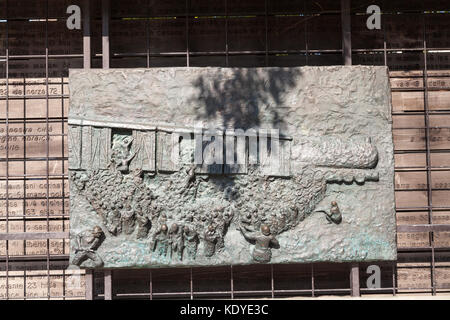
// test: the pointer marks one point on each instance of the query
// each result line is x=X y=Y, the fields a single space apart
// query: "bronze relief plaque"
x=218 y=166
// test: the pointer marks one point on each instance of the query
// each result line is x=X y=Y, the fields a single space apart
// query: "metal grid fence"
x=36 y=51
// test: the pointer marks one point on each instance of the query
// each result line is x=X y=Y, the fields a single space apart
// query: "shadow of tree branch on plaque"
x=249 y=99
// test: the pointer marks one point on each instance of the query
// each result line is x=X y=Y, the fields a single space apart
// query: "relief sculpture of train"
x=152 y=193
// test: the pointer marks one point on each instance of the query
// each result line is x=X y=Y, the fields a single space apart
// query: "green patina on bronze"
x=134 y=204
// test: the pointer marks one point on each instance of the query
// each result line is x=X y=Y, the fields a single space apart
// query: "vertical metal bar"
x=191 y=283
x=312 y=280
x=64 y=283
x=394 y=282
x=89 y=279
x=354 y=280
x=105 y=33
x=231 y=282
x=86 y=34
x=266 y=30
x=187 y=34
x=25 y=284
x=428 y=156
x=24 y=184
x=226 y=33
x=63 y=168
x=306 y=31
x=47 y=151
x=89 y=284
x=105 y=65
x=346 y=32
x=7 y=150
x=24 y=170
x=147 y=33
x=272 y=282
x=151 y=285
x=394 y=269
x=384 y=46
x=108 y=278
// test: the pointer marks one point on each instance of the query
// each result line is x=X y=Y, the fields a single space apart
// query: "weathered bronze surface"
x=215 y=166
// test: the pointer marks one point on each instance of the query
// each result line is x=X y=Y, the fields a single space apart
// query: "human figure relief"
x=143 y=222
x=190 y=241
x=127 y=219
x=190 y=178
x=176 y=241
x=263 y=240
x=211 y=237
x=335 y=215
x=113 y=224
x=161 y=241
x=86 y=245
x=121 y=155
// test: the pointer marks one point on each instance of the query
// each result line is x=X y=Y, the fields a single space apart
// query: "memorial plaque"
x=218 y=166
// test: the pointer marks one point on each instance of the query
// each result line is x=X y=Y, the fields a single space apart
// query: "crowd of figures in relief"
x=176 y=212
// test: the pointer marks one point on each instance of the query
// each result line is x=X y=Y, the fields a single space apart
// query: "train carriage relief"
x=74 y=143
x=288 y=173
x=144 y=148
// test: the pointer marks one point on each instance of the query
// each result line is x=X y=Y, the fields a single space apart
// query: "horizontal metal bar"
x=423 y=228
x=421 y=169
x=367 y=291
x=31 y=81
x=421 y=113
x=421 y=189
x=23 y=176
x=271 y=52
x=418 y=74
x=34 y=235
x=33 y=120
x=419 y=89
x=421 y=128
x=39 y=217
x=35 y=198
x=35 y=97
x=32 y=159
x=226 y=292
x=42 y=56
x=47 y=297
x=400 y=49
x=35 y=258
x=222 y=53
x=307 y=13
x=421 y=151
x=418 y=208
x=421 y=249
x=33 y=135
